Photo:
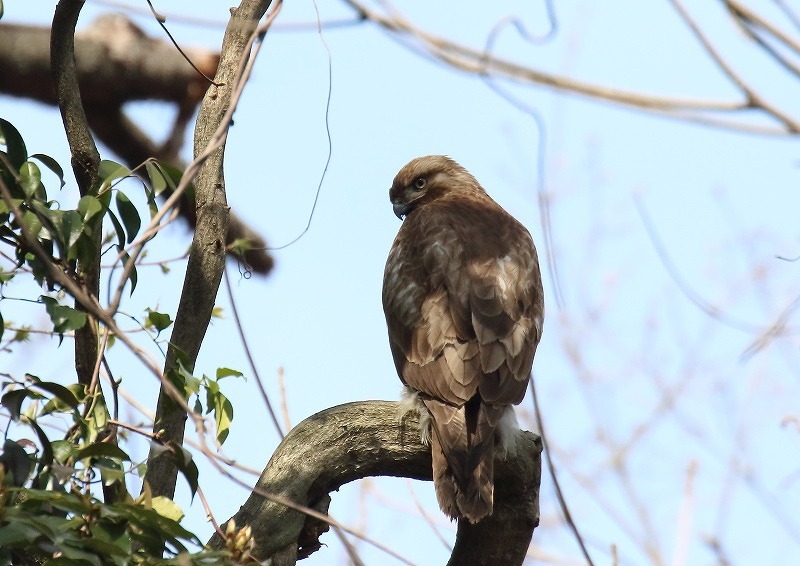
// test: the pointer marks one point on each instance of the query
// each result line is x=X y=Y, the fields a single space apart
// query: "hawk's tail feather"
x=462 y=448
x=472 y=500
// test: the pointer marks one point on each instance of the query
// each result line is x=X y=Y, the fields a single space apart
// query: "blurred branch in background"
x=716 y=113
x=118 y=63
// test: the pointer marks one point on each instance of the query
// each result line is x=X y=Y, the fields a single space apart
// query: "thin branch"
x=161 y=22
x=711 y=310
x=753 y=98
x=755 y=26
x=552 y=471
x=249 y=355
x=747 y=15
x=474 y=61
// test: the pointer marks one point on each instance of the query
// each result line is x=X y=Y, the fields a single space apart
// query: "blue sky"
x=637 y=384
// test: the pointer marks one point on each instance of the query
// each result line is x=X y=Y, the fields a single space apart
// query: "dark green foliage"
x=49 y=487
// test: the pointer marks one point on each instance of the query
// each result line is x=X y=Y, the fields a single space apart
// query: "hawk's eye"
x=419 y=183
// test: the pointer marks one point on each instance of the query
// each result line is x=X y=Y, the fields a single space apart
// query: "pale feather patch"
x=514 y=341
x=538 y=324
x=492 y=356
x=436 y=318
x=498 y=277
x=506 y=434
x=458 y=357
x=411 y=403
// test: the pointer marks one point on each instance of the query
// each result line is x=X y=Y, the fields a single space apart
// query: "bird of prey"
x=462 y=295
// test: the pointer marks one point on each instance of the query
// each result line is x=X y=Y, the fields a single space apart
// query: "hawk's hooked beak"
x=400 y=210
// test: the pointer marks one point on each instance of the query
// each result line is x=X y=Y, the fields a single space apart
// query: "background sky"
x=669 y=433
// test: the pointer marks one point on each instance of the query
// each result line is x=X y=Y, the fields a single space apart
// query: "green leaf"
x=78 y=390
x=118 y=229
x=63 y=318
x=46 y=459
x=15 y=460
x=185 y=464
x=134 y=276
x=129 y=215
x=60 y=392
x=30 y=179
x=98 y=421
x=223 y=416
x=167 y=508
x=15 y=146
x=111 y=538
x=227 y=372
x=171 y=174
x=111 y=470
x=71 y=229
x=102 y=449
x=62 y=450
x=110 y=171
x=158 y=180
x=34 y=225
x=157 y=320
x=13 y=402
x=51 y=164
x=17 y=533
x=191 y=386
x=212 y=390
x=88 y=207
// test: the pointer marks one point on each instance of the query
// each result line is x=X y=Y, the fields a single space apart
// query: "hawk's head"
x=428 y=178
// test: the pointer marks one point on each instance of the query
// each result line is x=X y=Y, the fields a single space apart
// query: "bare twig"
x=472 y=60
x=249 y=355
x=754 y=100
x=552 y=471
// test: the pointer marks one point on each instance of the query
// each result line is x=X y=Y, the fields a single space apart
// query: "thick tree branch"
x=207 y=255
x=356 y=440
x=116 y=63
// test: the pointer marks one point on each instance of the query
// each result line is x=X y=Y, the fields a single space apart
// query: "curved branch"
x=357 y=440
x=85 y=157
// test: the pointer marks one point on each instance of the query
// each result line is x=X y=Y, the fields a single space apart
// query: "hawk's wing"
x=463 y=302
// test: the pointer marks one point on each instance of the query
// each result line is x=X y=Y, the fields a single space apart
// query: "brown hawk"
x=462 y=294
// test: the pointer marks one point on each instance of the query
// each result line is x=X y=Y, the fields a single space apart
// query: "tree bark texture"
x=207 y=255
x=356 y=440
